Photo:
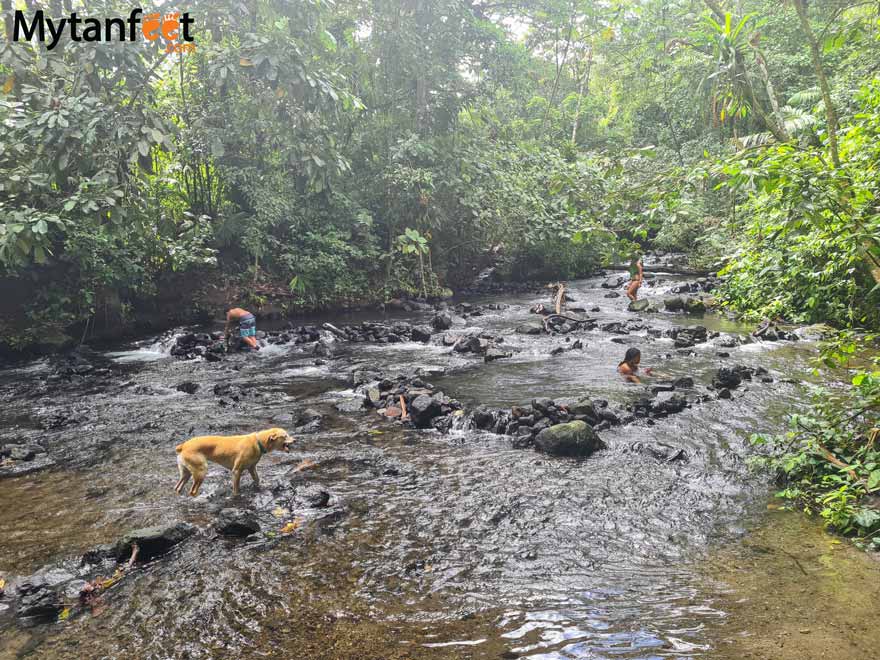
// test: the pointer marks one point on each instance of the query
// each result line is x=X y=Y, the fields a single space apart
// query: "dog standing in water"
x=235 y=452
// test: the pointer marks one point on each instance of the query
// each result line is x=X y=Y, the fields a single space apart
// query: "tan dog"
x=235 y=452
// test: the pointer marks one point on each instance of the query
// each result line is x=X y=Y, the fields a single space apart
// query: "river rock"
x=695 y=306
x=421 y=333
x=575 y=439
x=188 y=387
x=237 y=522
x=313 y=497
x=614 y=282
x=726 y=378
x=153 y=541
x=495 y=354
x=639 y=305
x=422 y=409
x=675 y=304
x=38 y=600
x=586 y=409
x=442 y=321
x=530 y=328
x=684 y=383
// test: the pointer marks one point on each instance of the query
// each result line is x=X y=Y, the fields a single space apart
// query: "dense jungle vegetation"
x=325 y=153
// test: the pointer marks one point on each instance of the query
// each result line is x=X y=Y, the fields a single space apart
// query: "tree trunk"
x=584 y=87
x=830 y=113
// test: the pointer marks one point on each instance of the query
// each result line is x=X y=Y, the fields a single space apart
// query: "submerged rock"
x=237 y=522
x=153 y=541
x=639 y=305
x=530 y=328
x=576 y=439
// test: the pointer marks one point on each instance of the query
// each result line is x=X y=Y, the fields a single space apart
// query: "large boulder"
x=639 y=305
x=152 y=541
x=576 y=439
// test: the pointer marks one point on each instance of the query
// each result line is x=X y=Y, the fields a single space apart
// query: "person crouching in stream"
x=629 y=368
x=247 y=328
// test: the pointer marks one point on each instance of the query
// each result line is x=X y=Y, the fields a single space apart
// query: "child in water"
x=629 y=368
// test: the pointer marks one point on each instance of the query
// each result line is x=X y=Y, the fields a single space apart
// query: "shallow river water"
x=434 y=546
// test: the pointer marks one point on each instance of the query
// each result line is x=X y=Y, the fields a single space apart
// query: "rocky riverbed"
x=470 y=480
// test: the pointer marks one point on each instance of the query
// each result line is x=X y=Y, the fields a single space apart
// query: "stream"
x=433 y=545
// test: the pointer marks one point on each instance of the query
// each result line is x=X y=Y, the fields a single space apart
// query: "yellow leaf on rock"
x=64 y=614
x=291 y=526
x=7 y=86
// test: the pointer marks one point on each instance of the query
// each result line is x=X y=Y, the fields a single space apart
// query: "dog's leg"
x=253 y=472
x=236 y=480
x=185 y=474
x=197 y=484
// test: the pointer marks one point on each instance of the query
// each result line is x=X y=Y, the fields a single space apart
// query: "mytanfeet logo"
x=173 y=29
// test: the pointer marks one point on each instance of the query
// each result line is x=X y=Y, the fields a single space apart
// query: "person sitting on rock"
x=247 y=327
x=629 y=368
x=636 y=275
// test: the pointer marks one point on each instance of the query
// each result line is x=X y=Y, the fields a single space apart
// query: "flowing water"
x=434 y=546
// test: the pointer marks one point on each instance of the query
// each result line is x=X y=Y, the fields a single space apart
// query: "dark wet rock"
x=483 y=419
x=612 y=294
x=495 y=354
x=576 y=439
x=688 y=337
x=772 y=332
x=695 y=306
x=188 y=387
x=674 y=304
x=313 y=497
x=38 y=599
x=727 y=378
x=237 y=522
x=614 y=282
x=422 y=409
x=669 y=406
x=442 y=321
x=657 y=388
x=683 y=383
x=421 y=333
x=615 y=328
x=153 y=541
x=531 y=328
x=585 y=410
x=639 y=305
x=725 y=394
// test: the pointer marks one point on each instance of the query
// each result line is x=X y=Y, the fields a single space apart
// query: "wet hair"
x=631 y=354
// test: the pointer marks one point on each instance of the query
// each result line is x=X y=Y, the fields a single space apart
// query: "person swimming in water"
x=629 y=368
